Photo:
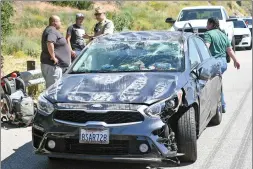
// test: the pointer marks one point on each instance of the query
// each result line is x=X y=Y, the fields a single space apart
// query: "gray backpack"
x=20 y=108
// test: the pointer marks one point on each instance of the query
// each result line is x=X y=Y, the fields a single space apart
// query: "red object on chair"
x=14 y=75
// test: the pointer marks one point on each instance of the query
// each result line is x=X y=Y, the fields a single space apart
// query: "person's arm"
x=207 y=40
x=68 y=37
x=50 y=47
x=231 y=54
x=51 y=40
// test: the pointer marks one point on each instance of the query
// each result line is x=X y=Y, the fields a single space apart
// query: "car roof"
x=145 y=36
x=204 y=7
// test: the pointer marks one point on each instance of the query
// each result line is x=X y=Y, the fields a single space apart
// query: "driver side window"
x=193 y=54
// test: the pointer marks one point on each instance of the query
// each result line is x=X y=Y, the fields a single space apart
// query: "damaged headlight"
x=44 y=105
x=170 y=104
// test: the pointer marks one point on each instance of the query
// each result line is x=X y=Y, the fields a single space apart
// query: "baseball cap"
x=99 y=10
x=79 y=15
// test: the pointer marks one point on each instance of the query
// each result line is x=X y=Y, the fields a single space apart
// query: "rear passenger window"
x=204 y=51
x=193 y=54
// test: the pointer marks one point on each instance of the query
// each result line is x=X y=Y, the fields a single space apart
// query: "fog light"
x=51 y=144
x=143 y=148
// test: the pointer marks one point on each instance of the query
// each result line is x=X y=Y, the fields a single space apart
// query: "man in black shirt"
x=55 y=56
x=75 y=36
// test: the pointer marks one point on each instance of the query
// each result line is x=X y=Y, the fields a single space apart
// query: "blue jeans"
x=77 y=51
x=223 y=65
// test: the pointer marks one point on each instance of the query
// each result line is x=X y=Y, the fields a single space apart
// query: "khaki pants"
x=51 y=74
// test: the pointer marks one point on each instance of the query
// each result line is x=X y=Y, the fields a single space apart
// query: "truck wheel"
x=187 y=137
x=216 y=120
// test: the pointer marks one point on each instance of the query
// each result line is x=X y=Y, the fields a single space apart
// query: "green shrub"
x=122 y=20
x=19 y=54
x=31 y=49
x=33 y=21
x=12 y=44
x=17 y=44
x=6 y=13
x=75 y=4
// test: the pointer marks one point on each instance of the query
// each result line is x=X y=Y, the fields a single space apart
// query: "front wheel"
x=187 y=137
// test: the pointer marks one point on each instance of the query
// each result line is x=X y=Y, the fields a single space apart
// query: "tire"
x=217 y=118
x=187 y=136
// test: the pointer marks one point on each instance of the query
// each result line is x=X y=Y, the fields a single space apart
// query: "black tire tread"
x=187 y=137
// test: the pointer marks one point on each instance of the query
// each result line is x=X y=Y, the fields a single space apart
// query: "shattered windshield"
x=135 y=56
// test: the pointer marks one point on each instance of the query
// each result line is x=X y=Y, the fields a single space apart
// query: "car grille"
x=238 y=39
x=112 y=117
x=115 y=147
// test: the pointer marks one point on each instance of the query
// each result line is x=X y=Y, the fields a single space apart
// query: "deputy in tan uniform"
x=104 y=26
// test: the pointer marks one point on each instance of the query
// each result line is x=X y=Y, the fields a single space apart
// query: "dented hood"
x=141 y=88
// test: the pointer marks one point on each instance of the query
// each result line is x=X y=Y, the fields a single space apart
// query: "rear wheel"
x=187 y=137
x=216 y=120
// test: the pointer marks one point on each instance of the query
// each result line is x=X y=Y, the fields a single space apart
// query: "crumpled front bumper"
x=66 y=137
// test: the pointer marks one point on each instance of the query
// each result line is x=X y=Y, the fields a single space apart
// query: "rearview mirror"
x=170 y=20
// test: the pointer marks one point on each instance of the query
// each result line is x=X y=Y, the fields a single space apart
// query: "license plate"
x=94 y=136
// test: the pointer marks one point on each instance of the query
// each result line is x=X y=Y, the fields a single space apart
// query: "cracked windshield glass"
x=131 y=56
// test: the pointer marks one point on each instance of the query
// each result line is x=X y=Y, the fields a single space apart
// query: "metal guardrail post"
x=31 y=89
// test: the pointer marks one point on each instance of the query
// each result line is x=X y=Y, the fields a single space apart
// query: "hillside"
x=31 y=18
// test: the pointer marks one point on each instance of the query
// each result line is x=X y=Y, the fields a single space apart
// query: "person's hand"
x=55 y=60
x=237 y=64
x=73 y=53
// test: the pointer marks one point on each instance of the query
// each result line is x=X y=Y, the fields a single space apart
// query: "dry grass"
x=12 y=63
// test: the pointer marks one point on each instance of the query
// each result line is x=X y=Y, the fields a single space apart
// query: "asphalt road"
x=226 y=146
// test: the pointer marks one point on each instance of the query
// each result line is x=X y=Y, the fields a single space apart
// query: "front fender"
x=190 y=94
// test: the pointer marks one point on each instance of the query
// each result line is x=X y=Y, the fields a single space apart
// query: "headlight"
x=245 y=36
x=159 y=108
x=44 y=105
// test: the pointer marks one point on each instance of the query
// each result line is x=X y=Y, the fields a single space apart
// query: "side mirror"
x=231 y=19
x=208 y=69
x=170 y=20
x=203 y=74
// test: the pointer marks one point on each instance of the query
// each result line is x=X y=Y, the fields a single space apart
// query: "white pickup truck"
x=197 y=17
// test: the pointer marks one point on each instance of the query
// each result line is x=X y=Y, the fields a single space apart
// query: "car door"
x=214 y=83
x=202 y=87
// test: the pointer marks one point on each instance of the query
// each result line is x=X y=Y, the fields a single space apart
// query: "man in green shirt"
x=219 y=47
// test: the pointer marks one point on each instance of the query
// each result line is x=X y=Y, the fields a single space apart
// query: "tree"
x=6 y=13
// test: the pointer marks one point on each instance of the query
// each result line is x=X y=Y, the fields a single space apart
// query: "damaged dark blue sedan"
x=134 y=97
